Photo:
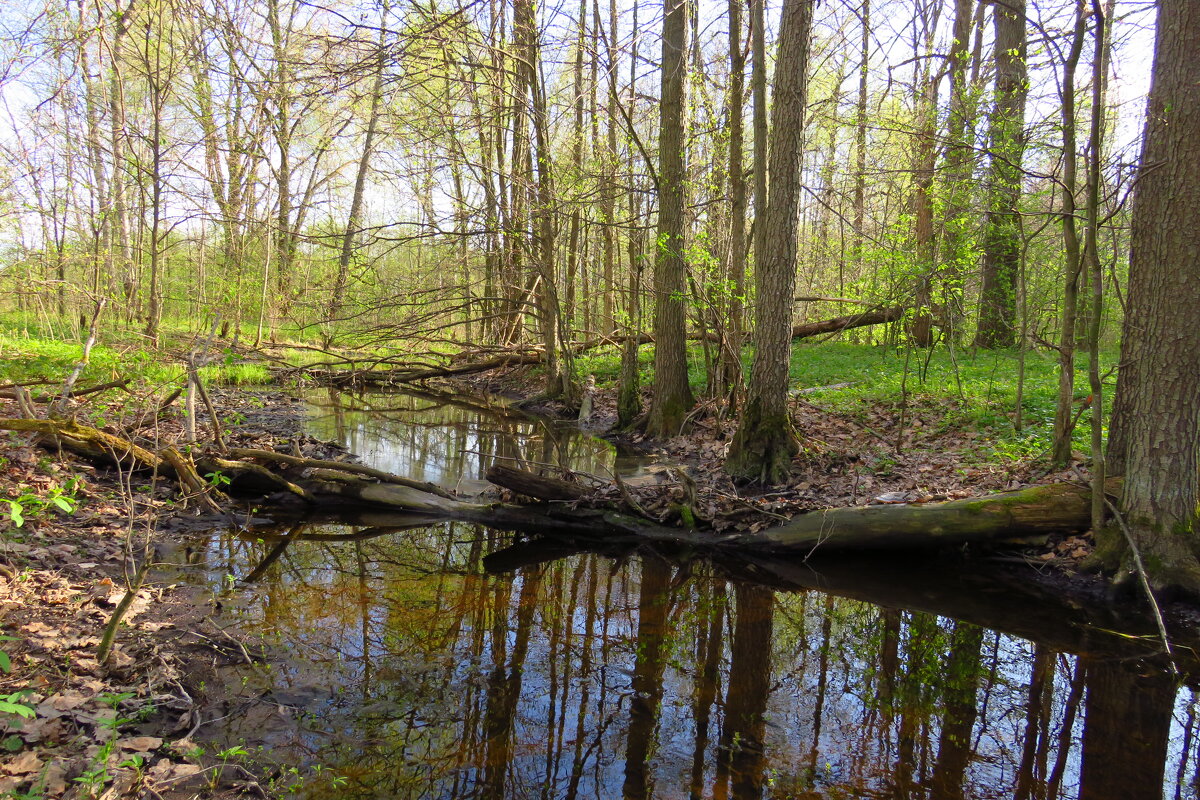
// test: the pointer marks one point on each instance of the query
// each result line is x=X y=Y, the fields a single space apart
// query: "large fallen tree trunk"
x=1020 y=514
x=1005 y=517
x=839 y=324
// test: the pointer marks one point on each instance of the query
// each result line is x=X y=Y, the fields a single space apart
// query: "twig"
x=1145 y=582
x=57 y=408
x=628 y=498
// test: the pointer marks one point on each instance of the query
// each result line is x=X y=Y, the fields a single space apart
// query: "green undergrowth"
x=971 y=390
x=26 y=356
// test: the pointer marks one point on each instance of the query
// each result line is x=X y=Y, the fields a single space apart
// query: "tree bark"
x=1034 y=511
x=735 y=270
x=1002 y=237
x=672 y=393
x=765 y=443
x=1064 y=412
x=1155 y=430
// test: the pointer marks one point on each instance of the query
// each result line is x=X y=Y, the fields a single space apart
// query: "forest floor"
x=71 y=537
x=870 y=450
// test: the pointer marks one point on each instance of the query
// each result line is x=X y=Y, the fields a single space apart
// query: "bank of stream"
x=408 y=658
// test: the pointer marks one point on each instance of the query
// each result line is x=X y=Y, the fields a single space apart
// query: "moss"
x=763 y=448
x=1108 y=553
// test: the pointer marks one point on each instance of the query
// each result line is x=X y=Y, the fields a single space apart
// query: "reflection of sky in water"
x=415 y=674
x=431 y=439
x=403 y=666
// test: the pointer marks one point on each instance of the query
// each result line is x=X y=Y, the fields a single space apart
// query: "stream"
x=454 y=661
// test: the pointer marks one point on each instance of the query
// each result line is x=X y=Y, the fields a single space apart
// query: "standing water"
x=455 y=661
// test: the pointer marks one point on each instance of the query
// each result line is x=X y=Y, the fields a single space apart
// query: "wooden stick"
x=60 y=406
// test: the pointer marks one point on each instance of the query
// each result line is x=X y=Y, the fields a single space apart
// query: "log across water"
x=560 y=507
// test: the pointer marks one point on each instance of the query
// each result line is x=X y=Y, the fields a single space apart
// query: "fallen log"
x=46 y=398
x=87 y=441
x=839 y=324
x=1024 y=513
x=539 y=487
x=315 y=463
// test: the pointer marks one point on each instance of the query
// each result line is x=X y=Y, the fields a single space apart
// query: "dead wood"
x=839 y=324
x=12 y=394
x=86 y=441
x=539 y=487
x=316 y=463
x=521 y=355
x=189 y=479
x=1020 y=514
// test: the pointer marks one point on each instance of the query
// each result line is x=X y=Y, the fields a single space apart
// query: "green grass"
x=977 y=388
x=26 y=355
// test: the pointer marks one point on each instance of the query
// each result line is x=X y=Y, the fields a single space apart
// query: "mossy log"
x=1020 y=514
x=87 y=441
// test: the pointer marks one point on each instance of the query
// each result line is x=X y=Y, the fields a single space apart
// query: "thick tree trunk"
x=764 y=445
x=1002 y=237
x=672 y=393
x=1155 y=431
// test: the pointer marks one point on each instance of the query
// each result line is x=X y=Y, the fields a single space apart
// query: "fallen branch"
x=316 y=463
x=13 y=394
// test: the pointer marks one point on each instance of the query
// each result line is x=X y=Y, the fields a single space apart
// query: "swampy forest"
x=764 y=399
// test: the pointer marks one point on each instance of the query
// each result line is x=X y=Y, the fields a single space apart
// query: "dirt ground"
x=72 y=727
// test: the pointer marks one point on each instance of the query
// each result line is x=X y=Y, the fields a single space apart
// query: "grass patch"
x=26 y=355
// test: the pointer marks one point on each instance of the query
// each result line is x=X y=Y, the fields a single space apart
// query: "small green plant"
x=217 y=479
x=11 y=704
x=29 y=503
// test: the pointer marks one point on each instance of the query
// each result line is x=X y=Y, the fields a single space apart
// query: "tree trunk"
x=1002 y=237
x=920 y=326
x=354 y=217
x=735 y=268
x=1064 y=412
x=672 y=393
x=1155 y=430
x=958 y=164
x=764 y=445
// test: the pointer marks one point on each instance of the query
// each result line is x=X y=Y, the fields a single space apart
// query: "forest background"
x=414 y=182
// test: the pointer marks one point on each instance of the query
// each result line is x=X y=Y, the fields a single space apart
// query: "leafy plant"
x=30 y=504
x=11 y=704
x=217 y=479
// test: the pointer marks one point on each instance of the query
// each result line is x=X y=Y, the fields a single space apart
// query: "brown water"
x=454 y=661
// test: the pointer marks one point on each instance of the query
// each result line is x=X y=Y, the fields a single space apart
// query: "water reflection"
x=415 y=658
x=406 y=667
x=450 y=439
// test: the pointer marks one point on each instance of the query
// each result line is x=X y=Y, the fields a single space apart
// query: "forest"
x=837 y=276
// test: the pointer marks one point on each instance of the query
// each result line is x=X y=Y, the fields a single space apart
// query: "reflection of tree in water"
x=445 y=438
x=646 y=698
x=587 y=677
x=1127 y=724
x=740 y=758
